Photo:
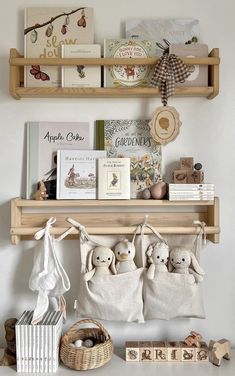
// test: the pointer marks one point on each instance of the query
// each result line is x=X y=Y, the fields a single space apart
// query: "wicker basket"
x=82 y=358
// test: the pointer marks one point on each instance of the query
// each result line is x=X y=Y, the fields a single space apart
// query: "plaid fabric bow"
x=169 y=69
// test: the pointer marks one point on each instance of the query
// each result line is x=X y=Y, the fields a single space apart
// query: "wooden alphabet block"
x=160 y=351
x=188 y=354
x=202 y=353
x=195 y=177
x=174 y=352
x=180 y=177
x=218 y=350
x=146 y=351
x=132 y=351
x=186 y=163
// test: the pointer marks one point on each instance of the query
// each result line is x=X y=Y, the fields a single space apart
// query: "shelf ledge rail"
x=25 y=224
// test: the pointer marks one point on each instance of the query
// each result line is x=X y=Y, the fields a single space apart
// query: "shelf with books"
x=114 y=216
x=18 y=91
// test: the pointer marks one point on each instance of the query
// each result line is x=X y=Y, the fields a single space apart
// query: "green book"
x=131 y=139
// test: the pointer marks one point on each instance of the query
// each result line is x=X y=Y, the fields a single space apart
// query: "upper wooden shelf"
x=18 y=91
x=114 y=216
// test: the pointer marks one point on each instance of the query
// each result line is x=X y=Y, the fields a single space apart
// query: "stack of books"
x=192 y=192
x=37 y=346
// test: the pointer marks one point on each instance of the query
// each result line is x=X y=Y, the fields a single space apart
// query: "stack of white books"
x=192 y=192
x=37 y=346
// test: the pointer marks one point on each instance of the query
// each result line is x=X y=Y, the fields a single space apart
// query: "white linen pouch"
x=116 y=297
x=173 y=295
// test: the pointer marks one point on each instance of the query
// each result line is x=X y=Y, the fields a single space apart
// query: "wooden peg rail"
x=113 y=216
x=18 y=91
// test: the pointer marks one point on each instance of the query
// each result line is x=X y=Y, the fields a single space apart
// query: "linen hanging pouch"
x=107 y=296
x=48 y=276
x=171 y=293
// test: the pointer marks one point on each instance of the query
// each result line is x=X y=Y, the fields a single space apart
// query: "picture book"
x=114 y=178
x=131 y=139
x=175 y=30
x=77 y=174
x=199 y=73
x=80 y=75
x=128 y=75
x=46 y=29
x=43 y=141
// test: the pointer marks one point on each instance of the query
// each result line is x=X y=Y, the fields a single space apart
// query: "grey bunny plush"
x=183 y=261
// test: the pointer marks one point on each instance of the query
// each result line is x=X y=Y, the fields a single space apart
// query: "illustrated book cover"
x=114 y=178
x=46 y=29
x=77 y=174
x=43 y=141
x=199 y=75
x=175 y=30
x=80 y=75
x=128 y=75
x=132 y=139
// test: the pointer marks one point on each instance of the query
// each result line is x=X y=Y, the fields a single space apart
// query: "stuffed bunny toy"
x=158 y=254
x=125 y=253
x=184 y=261
x=101 y=261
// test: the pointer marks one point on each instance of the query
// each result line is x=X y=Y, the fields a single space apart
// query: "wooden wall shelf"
x=17 y=90
x=113 y=216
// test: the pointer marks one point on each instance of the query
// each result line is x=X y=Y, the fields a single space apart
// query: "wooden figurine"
x=41 y=193
x=186 y=163
x=193 y=339
x=160 y=351
x=218 y=350
x=132 y=351
x=9 y=356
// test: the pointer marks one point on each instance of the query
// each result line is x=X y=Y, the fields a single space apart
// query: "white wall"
x=207 y=133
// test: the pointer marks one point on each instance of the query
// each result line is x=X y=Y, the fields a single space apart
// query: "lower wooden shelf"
x=114 y=216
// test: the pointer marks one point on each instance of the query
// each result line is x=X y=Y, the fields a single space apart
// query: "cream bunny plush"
x=101 y=261
x=184 y=261
x=158 y=254
x=125 y=253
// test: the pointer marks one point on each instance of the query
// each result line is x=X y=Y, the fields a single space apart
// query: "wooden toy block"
x=160 y=351
x=180 y=177
x=195 y=177
x=132 y=351
x=186 y=163
x=202 y=353
x=146 y=351
x=193 y=339
x=174 y=352
x=188 y=354
x=218 y=350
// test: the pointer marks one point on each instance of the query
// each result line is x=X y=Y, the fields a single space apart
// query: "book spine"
x=191 y=198
x=18 y=349
x=29 y=348
x=37 y=346
x=33 y=348
x=56 y=337
x=22 y=348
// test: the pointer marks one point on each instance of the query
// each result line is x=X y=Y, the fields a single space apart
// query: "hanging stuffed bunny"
x=158 y=254
x=101 y=261
x=48 y=276
x=184 y=261
x=125 y=253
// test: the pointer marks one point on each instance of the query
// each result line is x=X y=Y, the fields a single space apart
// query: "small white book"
x=81 y=75
x=77 y=174
x=114 y=179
